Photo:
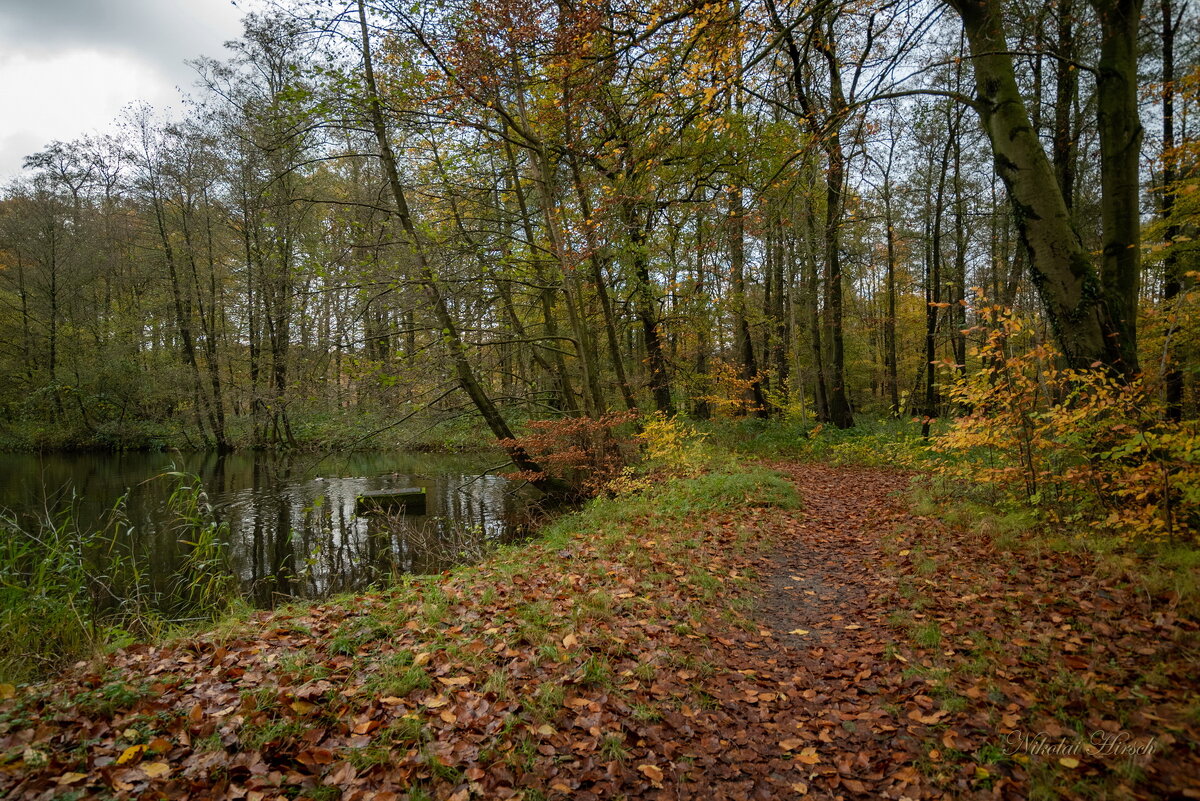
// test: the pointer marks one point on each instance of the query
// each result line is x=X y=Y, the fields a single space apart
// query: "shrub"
x=587 y=452
x=1080 y=445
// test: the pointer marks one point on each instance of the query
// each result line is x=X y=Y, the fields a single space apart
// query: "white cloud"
x=70 y=78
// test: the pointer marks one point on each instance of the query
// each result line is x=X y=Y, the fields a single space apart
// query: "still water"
x=292 y=526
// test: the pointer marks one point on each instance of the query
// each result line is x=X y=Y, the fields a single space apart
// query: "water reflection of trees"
x=290 y=534
x=303 y=537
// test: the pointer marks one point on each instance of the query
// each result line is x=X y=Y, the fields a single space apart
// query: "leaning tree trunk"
x=458 y=355
x=1070 y=289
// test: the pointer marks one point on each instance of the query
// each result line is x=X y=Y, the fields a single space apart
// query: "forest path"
x=849 y=649
x=930 y=663
x=827 y=645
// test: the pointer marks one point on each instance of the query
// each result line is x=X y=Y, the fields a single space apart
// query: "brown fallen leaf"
x=366 y=726
x=653 y=773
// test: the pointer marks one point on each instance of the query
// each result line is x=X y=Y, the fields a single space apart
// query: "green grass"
x=68 y=592
x=254 y=736
x=873 y=441
x=730 y=487
x=596 y=671
x=355 y=634
x=398 y=677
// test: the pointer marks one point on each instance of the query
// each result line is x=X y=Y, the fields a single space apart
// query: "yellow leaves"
x=1078 y=445
x=799 y=632
x=156 y=770
x=70 y=778
x=1068 y=762
x=131 y=753
x=301 y=707
x=7 y=691
x=808 y=756
x=791 y=744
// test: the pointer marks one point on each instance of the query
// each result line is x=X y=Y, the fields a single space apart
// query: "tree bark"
x=1066 y=281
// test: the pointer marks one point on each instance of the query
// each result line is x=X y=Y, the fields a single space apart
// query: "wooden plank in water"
x=406 y=501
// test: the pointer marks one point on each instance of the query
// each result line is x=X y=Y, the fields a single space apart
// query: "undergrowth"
x=68 y=590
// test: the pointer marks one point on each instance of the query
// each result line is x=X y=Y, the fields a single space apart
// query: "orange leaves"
x=1080 y=446
x=590 y=453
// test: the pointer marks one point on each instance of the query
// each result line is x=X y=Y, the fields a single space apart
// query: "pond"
x=293 y=529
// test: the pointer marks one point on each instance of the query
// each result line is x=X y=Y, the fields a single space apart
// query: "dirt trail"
x=863 y=653
x=1005 y=655
x=824 y=603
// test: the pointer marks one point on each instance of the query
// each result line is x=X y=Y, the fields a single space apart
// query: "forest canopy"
x=527 y=210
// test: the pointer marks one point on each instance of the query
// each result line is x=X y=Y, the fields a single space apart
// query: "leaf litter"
x=754 y=654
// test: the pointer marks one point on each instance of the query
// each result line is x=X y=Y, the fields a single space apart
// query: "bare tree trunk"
x=1120 y=149
x=1173 y=278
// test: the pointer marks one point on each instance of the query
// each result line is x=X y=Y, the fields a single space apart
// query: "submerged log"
x=405 y=501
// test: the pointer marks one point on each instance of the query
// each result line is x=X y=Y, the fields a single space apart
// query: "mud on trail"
x=846 y=650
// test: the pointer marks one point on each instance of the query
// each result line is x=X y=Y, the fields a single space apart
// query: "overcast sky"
x=68 y=67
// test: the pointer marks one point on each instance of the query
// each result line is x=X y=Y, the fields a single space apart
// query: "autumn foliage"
x=589 y=453
x=1080 y=445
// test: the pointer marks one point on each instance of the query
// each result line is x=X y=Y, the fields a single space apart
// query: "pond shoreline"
x=283 y=671
x=134 y=541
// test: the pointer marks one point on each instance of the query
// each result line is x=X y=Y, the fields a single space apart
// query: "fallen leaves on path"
x=834 y=652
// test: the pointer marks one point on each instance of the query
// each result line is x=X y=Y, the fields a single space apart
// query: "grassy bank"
x=473 y=679
x=69 y=591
